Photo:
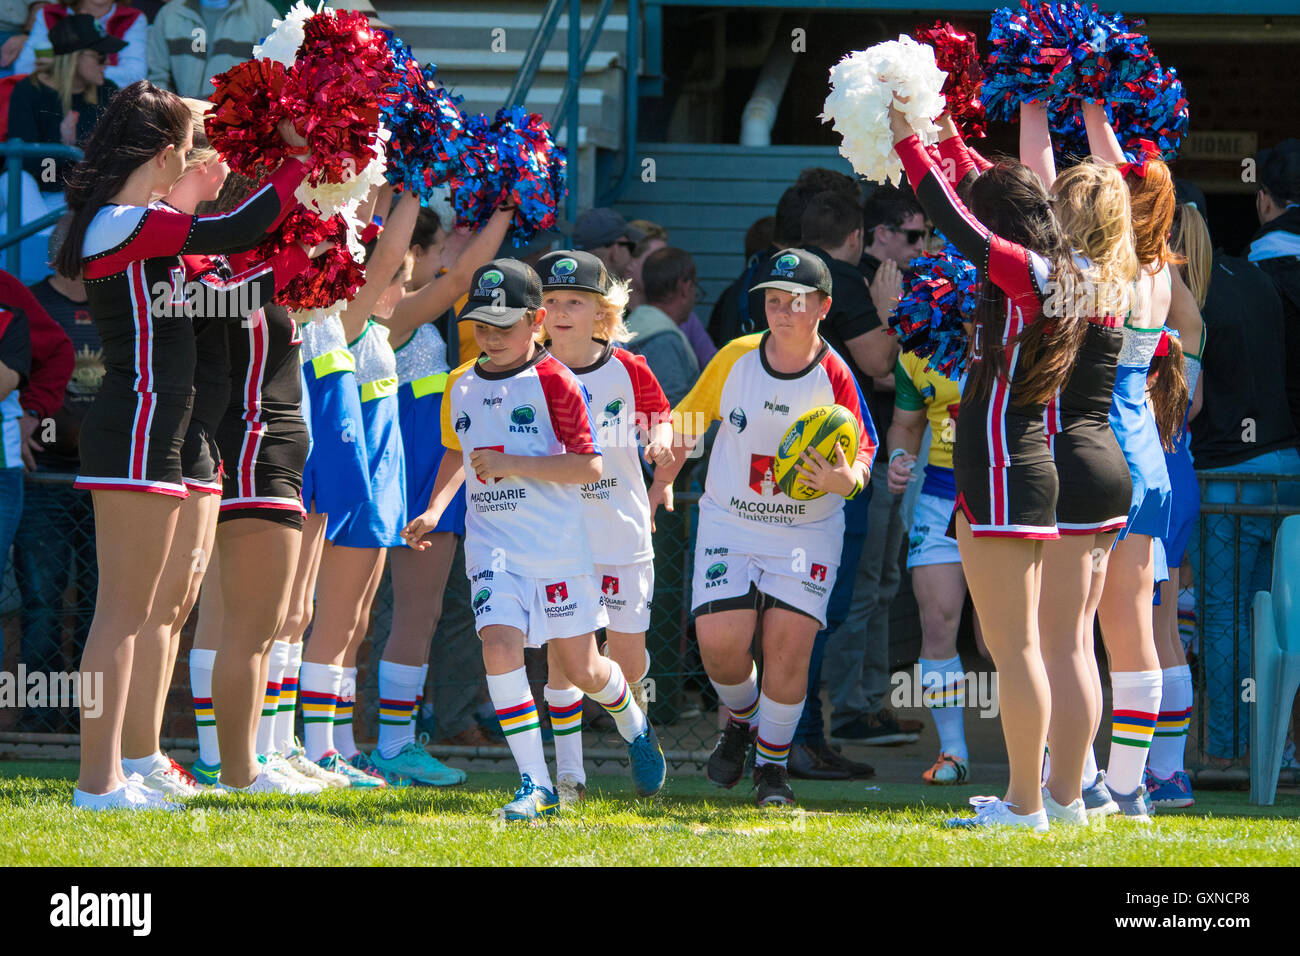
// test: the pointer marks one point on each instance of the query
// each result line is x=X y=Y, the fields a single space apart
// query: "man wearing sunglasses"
x=608 y=237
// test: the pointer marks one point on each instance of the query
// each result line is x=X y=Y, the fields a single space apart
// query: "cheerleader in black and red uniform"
x=128 y=250
x=1005 y=477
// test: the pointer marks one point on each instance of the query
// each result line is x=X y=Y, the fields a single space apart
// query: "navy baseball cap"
x=501 y=292
x=600 y=227
x=795 y=271
x=573 y=269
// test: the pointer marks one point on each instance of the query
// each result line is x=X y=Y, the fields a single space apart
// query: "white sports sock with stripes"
x=201 y=664
x=343 y=741
x=284 y=735
x=319 y=691
x=1135 y=704
x=399 y=685
x=517 y=713
x=741 y=699
x=565 y=707
x=617 y=700
x=943 y=692
x=776 y=726
x=1166 y=757
x=275 y=666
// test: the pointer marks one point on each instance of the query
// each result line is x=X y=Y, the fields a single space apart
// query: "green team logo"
x=786 y=265
x=490 y=280
x=562 y=268
x=716 y=570
x=523 y=415
x=613 y=409
x=482 y=597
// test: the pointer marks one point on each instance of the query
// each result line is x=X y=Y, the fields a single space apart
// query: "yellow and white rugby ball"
x=822 y=428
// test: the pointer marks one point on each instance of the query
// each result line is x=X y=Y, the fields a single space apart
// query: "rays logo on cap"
x=490 y=280
x=562 y=270
x=785 y=266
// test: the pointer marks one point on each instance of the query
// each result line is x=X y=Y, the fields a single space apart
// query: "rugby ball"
x=822 y=428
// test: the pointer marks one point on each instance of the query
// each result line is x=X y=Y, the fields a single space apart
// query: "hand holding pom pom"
x=957 y=55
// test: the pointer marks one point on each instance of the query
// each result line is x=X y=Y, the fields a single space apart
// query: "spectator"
x=670 y=285
x=656 y=238
x=51 y=365
x=1276 y=247
x=1242 y=427
x=15 y=24
x=608 y=237
x=727 y=321
x=857 y=660
x=63 y=104
x=126 y=64
x=15 y=363
x=230 y=29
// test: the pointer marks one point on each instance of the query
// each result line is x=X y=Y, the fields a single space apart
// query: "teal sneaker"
x=205 y=775
x=357 y=779
x=530 y=802
x=390 y=777
x=648 y=766
x=424 y=769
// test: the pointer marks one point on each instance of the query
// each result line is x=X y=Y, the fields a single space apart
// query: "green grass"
x=691 y=823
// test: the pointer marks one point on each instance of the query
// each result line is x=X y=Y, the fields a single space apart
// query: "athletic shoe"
x=530 y=802
x=423 y=769
x=1133 y=805
x=156 y=799
x=832 y=757
x=205 y=775
x=1096 y=798
x=184 y=775
x=125 y=797
x=357 y=779
x=268 y=781
x=275 y=762
x=169 y=783
x=727 y=762
x=947 y=769
x=1073 y=814
x=992 y=812
x=298 y=760
x=772 y=786
x=648 y=766
x=570 y=790
x=878 y=729
x=805 y=763
x=391 y=778
x=1174 y=793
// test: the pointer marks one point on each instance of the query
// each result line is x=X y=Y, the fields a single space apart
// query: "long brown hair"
x=1009 y=199
x=1191 y=239
x=139 y=123
x=1168 y=387
x=1152 y=198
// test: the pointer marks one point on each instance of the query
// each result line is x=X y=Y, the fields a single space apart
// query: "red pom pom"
x=241 y=127
x=332 y=276
x=957 y=54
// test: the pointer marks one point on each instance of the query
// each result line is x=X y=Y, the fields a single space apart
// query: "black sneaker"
x=772 y=786
x=727 y=762
x=880 y=728
x=807 y=764
x=833 y=758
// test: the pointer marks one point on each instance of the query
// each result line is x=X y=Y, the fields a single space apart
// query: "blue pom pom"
x=940 y=292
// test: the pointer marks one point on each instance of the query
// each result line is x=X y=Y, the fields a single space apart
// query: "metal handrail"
x=533 y=58
x=570 y=93
x=15 y=151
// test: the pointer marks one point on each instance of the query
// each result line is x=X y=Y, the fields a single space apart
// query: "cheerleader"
x=420 y=577
x=126 y=247
x=584 y=324
x=1166 y=781
x=1092 y=205
x=1004 y=474
x=1125 y=607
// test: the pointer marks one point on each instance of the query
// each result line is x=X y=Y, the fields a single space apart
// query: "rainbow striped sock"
x=617 y=700
x=343 y=740
x=1166 y=757
x=399 y=687
x=266 y=723
x=320 y=695
x=776 y=727
x=284 y=735
x=517 y=713
x=565 y=707
x=943 y=693
x=1135 y=697
x=741 y=699
x=205 y=721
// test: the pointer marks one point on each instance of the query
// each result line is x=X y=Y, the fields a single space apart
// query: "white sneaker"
x=154 y=799
x=124 y=797
x=297 y=759
x=570 y=790
x=170 y=783
x=268 y=781
x=278 y=764
x=1073 y=814
x=992 y=812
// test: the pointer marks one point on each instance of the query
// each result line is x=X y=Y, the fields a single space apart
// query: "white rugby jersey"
x=520 y=525
x=756 y=406
x=624 y=396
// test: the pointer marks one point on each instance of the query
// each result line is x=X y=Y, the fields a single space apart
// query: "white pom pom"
x=286 y=36
x=863 y=85
x=330 y=199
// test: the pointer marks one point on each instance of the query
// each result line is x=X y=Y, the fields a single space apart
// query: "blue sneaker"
x=1133 y=805
x=530 y=802
x=1096 y=798
x=391 y=777
x=648 y=767
x=205 y=775
x=1174 y=793
x=413 y=761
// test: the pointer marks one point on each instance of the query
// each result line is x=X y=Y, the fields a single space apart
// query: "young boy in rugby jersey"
x=521 y=422
x=759 y=551
x=584 y=325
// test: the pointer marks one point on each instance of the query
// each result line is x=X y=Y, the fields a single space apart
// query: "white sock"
x=343 y=741
x=284 y=735
x=565 y=707
x=1135 y=701
x=201 y=664
x=320 y=696
x=516 y=709
x=741 y=699
x=399 y=686
x=145 y=765
x=943 y=692
x=617 y=700
x=279 y=660
x=776 y=727
x=1090 y=770
x=1166 y=757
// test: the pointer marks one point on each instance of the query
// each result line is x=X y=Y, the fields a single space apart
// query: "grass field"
x=690 y=823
